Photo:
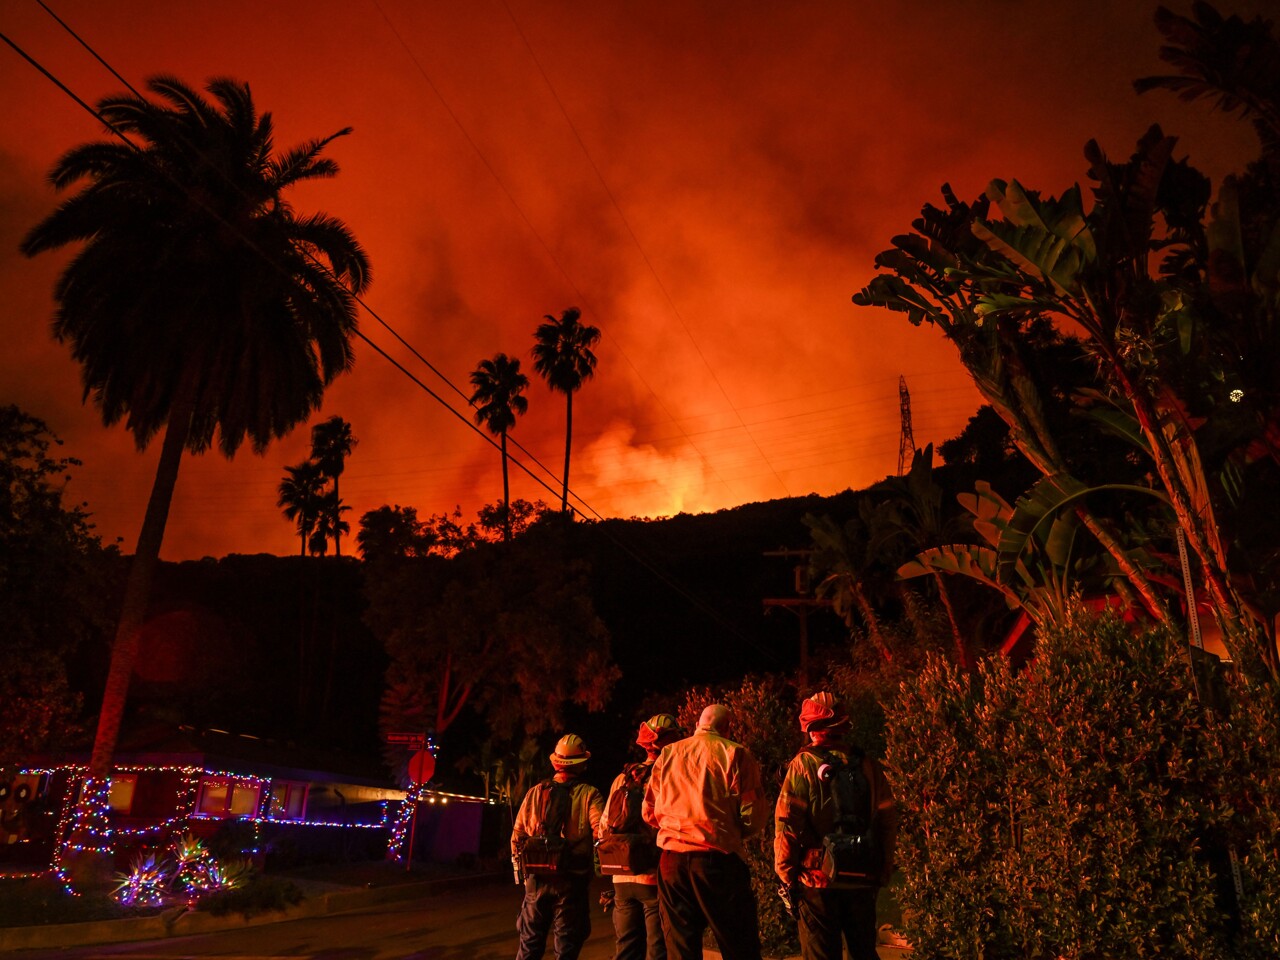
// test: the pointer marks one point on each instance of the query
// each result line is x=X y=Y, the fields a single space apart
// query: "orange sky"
x=708 y=182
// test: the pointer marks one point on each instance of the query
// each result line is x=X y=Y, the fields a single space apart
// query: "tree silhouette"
x=393 y=533
x=329 y=524
x=331 y=444
x=300 y=498
x=499 y=386
x=200 y=302
x=563 y=357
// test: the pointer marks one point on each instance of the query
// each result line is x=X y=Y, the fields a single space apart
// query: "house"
x=277 y=803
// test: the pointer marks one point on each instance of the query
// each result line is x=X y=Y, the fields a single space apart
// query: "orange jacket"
x=585 y=810
x=705 y=794
x=805 y=813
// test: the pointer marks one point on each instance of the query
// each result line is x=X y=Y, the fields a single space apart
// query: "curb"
x=181 y=922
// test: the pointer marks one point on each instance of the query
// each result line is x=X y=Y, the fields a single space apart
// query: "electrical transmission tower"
x=906 y=442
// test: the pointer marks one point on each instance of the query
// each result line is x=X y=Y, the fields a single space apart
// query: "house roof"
x=214 y=749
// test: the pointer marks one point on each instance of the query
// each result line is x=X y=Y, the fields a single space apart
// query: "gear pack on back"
x=851 y=855
x=546 y=853
x=628 y=847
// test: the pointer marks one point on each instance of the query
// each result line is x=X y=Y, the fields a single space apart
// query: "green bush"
x=1071 y=810
x=1248 y=748
x=260 y=894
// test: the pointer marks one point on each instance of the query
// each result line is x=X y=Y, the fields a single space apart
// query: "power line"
x=531 y=228
x=675 y=311
x=678 y=588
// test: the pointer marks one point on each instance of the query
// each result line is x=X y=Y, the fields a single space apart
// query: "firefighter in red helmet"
x=834 y=834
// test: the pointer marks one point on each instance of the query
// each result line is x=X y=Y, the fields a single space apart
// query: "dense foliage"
x=1174 y=301
x=1082 y=807
x=53 y=573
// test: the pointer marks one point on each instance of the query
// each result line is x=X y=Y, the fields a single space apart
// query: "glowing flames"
x=641 y=480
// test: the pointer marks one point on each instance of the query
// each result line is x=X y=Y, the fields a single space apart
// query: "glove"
x=606 y=899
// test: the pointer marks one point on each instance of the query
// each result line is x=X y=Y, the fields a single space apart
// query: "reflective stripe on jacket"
x=805 y=813
x=705 y=794
x=585 y=810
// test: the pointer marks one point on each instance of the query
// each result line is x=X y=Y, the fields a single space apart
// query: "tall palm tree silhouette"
x=200 y=302
x=563 y=357
x=499 y=386
x=331 y=444
x=300 y=497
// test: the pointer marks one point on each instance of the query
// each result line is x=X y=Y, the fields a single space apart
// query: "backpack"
x=546 y=853
x=628 y=846
x=851 y=855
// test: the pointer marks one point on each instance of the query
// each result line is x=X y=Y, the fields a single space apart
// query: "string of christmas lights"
x=87 y=827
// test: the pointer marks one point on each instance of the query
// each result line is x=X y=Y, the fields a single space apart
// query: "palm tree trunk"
x=568 y=445
x=506 y=493
x=86 y=826
x=337 y=516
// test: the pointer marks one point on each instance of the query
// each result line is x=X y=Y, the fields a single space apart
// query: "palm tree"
x=329 y=524
x=499 y=385
x=563 y=356
x=331 y=444
x=300 y=494
x=199 y=302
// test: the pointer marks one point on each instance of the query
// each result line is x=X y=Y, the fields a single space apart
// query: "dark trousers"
x=637 y=922
x=827 y=915
x=554 y=903
x=701 y=890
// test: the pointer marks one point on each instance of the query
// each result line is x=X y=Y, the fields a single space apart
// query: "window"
x=120 y=792
x=288 y=800
x=220 y=797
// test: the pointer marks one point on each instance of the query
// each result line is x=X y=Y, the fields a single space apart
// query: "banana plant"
x=1032 y=551
x=843 y=564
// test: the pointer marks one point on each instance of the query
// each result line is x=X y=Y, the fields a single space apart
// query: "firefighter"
x=822 y=782
x=566 y=810
x=637 y=921
x=704 y=797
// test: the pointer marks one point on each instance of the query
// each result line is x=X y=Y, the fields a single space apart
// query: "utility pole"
x=800 y=605
x=906 y=442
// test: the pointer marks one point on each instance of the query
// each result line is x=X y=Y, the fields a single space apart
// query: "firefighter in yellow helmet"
x=833 y=840
x=551 y=846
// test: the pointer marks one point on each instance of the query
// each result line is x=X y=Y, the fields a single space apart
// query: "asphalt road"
x=473 y=923
x=464 y=923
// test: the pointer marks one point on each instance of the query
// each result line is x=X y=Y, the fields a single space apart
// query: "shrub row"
x=1084 y=807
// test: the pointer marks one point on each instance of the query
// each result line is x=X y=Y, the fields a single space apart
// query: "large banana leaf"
x=991 y=512
x=894 y=293
x=1037 y=251
x=1034 y=515
x=1117 y=422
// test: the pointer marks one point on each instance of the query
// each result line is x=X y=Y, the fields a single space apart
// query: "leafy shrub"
x=260 y=894
x=1248 y=748
x=1070 y=810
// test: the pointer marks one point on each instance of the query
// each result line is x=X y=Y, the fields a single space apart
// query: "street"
x=465 y=923
x=473 y=923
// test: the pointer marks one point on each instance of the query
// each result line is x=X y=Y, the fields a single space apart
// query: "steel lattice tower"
x=906 y=442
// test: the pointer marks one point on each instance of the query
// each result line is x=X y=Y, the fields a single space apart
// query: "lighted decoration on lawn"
x=184 y=872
